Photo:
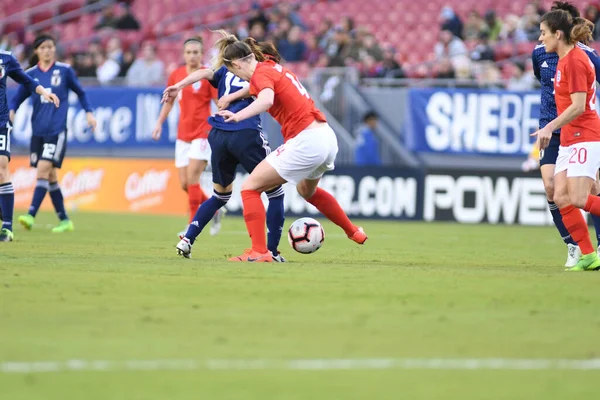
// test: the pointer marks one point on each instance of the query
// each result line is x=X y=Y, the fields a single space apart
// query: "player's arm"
x=15 y=71
x=595 y=59
x=75 y=86
x=225 y=101
x=172 y=91
x=162 y=117
x=18 y=99
x=263 y=102
x=577 y=107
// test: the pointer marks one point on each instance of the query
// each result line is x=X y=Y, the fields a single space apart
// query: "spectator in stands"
x=444 y=69
x=107 y=69
x=338 y=48
x=474 y=26
x=257 y=31
x=367 y=144
x=511 y=30
x=369 y=68
x=313 y=51
x=257 y=16
x=488 y=74
x=125 y=19
x=390 y=68
x=282 y=30
x=4 y=42
x=517 y=79
x=591 y=14
x=482 y=50
x=128 y=60
x=241 y=30
x=287 y=12
x=347 y=25
x=530 y=22
x=85 y=66
x=147 y=70
x=539 y=7
x=293 y=47
x=451 y=22
x=371 y=48
x=449 y=46
x=114 y=49
x=493 y=25
x=325 y=33
x=107 y=19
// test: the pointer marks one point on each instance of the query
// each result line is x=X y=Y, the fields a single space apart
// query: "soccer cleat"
x=215 y=228
x=66 y=225
x=573 y=255
x=184 y=248
x=6 y=235
x=359 y=236
x=278 y=257
x=588 y=262
x=253 y=256
x=27 y=221
x=181 y=234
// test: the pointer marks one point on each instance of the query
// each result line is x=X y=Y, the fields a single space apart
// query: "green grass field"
x=114 y=290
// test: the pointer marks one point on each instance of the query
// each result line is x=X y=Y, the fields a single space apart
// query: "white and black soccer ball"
x=306 y=235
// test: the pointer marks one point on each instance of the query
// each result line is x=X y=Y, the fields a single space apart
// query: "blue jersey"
x=544 y=68
x=10 y=67
x=47 y=120
x=228 y=83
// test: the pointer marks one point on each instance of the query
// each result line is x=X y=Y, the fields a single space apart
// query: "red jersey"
x=292 y=107
x=194 y=107
x=575 y=73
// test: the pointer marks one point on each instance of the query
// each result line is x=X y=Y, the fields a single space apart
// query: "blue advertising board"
x=471 y=121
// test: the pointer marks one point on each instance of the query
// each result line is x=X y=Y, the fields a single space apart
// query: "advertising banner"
x=471 y=121
x=152 y=186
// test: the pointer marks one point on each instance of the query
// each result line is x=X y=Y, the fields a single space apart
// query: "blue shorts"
x=247 y=147
x=5 y=140
x=550 y=153
x=49 y=148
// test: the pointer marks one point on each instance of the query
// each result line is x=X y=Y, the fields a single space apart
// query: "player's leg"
x=262 y=178
x=250 y=155
x=573 y=181
x=595 y=218
x=199 y=156
x=7 y=193
x=224 y=166
x=181 y=163
x=58 y=201
x=38 y=147
x=547 y=167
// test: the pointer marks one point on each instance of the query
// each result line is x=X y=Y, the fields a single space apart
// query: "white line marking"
x=24 y=367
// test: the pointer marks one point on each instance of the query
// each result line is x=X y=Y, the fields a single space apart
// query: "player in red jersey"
x=192 y=151
x=579 y=152
x=309 y=149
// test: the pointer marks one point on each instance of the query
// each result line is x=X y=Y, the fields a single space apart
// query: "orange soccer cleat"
x=359 y=236
x=253 y=256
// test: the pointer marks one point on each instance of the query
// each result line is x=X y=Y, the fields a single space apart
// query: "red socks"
x=256 y=218
x=329 y=207
x=196 y=197
x=593 y=205
x=577 y=227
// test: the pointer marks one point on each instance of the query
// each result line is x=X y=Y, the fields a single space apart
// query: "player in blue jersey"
x=544 y=67
x=10 y=67
x=49 y=126
x=232 y=144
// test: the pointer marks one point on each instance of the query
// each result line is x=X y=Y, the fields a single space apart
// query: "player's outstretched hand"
x=228 y=116
x=170 y=94
x=91 y=120
x=52 y=98
x=543 y=137
x=224 y=102
x=157 y=132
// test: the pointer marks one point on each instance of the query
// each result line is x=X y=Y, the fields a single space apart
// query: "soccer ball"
x=306 y=235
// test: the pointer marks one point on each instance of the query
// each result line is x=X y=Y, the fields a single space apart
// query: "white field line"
x=24 y=367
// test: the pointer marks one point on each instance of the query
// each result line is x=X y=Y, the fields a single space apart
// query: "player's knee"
x=549 y=188
x=305 y=190
x=224 y=197
x=53 y=175
x=3 y=170
x=561 y=199
x=578 y=198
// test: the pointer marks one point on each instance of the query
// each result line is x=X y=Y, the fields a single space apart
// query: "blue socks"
x=205 y=213
x=58 y=200
x=38 y=196
x=275 y=218
x=7 y=204
x=564 y=233
x=596 y=222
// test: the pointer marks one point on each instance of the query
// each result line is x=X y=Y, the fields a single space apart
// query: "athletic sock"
x=41 y=188
x=275 y=218
x=329 y=207
x=7 y=204
x=58 y=201
x=205 y=213
x=558 y=222
x=254 y=215
x=577 y=227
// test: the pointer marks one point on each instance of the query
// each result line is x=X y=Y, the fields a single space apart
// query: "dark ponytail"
x=34 y=59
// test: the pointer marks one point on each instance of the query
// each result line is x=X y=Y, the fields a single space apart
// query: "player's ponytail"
x=582 y=31
x=255 y=48
x=229 y=49
x=269 y=51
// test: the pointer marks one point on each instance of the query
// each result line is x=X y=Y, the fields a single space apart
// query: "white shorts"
x=198 y=149
x=307 y=156
x=579 y=159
